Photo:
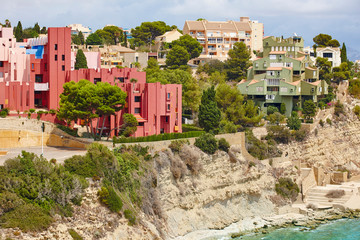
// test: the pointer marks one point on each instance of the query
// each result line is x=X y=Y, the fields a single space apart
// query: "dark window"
x=273 y=89
x=39 y=78
x=63 y=67
x=55 y=57
x=137 y=98
x=327 y=55
x=141 y=124
x=1 y=63
x=32 y=66
x=136 y=59
x=63 y=57
x=296 y=72
x=168 y=95
x=96 y=80
x=168 y=107
x=55 y=46
x=45 y=66
x=121 y=79
x=166 y=119
x=137 y=110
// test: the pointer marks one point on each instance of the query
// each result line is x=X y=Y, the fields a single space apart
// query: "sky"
x=306 y=18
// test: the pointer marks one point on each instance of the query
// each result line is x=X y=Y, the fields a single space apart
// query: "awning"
x=139 y=118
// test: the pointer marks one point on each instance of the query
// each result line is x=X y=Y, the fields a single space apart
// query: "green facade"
x=283 y=75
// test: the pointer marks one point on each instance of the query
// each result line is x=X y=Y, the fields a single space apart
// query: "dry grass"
x=191 y=159
x=335 y=194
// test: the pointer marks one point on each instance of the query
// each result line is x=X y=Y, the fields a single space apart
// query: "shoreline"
x=309 y=220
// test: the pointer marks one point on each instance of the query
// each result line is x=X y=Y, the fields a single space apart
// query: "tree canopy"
x=147 y=32
x=209 y=113
x=129 y=125
x=238 y=61
x=177 y=56
x=343 y=54
x=192 y=46
x=325 y=40
x=80 y=60
x=93 y=39
x=309 y=109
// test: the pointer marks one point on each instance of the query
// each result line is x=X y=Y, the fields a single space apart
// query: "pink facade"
x=32 y=74
x=92 y=58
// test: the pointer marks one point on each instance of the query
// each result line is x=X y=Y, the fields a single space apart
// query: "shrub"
x=27 y=217
x=224 y=145
x=294 y=121
x=339 y=108
x=275 y=118
x=190 y=128
x=287 y=188
x=207 y=143
x=272 y=109
x=177 y=167
x=72 y=132
x=280 y=134
x=9 y=201
x=357 y=111
x=74 y=234
x=52 y=111
x=337 y=193
x=31 y=110
x=252 y=164
x=328 y=121
x=191 y=159
x=109 y=197
x=129 y=215
x=300 y=135
x=260 y=149
x=321 y=122
x=282 y=108
x=227 y=127
x=3 y=114
x=176 y=145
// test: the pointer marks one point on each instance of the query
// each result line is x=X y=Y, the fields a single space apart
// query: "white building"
x=76 y=28
x=331 y=53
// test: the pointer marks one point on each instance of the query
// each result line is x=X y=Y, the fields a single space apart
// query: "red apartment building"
x=32 y=75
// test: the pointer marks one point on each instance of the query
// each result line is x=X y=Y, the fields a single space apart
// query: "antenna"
x=295 y=34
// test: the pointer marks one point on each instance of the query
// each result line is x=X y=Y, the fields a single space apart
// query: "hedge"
x=160 y=137
x=190 y=128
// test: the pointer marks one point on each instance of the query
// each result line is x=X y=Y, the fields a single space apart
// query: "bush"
x=272 y=109
x=129 y=215
x=31 y=110
x=207 y=143
x=176 y=145
x=4 y=112
x=282 y=108
x=224 y=145
x=339 y=109
x=27 y=217
x=328 y=121
x=335 y=193
x=72 y=132
x=280 y=134
x=357 y=111
x=287 y=188
x=109 y=197
x=260 y=149
x=52 y=111
x=321 y=122
x=300 y=135
x=227 y=127
x=74 y=234
x=9 y=201
x=191 y=158
x=294 y=121
x=190 y=128
x=275 y=118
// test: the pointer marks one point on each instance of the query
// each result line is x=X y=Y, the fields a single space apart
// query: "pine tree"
x=80 y=60
x=343 y=54
x=19 y=32
x=36 y=28
x=81 y=37
x=209 y=113
x=125 y=40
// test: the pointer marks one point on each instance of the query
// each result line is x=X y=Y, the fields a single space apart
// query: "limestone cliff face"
x=222 y=192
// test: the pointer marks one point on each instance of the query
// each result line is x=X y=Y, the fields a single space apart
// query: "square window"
x=168 y=107
x=32 y=66
x=137 y=99
x=55 y=57
x=137 y=110
x=168 y=96
x=1 y=64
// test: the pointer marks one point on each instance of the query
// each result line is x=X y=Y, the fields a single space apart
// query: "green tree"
x=283 y=108
x=37 y=28
x=80 y=60
x=294 y=122
x=192 y=46
x=207 y=143
x=209 y=113
x=147 y=32
x=177 y=56
x=191 y=95
x=93 y=39
x=7 y=23
x=115 y=32
x=217 y=78
x=238 y=62
x=325 y=40
x=309 y=109
x=211 y=67
x=81 y=38
x=125 y=43
x=324 y=66
x=343 y=54
x=275 y=118
x=43 y=30
x=75 y=39
x=129 y=125
x=19 y=32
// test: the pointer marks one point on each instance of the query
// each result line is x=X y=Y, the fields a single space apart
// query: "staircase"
x=317 y=195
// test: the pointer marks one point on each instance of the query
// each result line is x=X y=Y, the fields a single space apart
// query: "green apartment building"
x=283 y=74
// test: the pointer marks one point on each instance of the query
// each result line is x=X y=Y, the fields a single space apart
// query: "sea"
x=344 y=229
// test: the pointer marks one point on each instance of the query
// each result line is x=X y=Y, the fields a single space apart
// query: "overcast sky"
x=307 y=18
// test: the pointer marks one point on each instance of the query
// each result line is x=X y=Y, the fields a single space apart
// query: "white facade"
x=76 y=28
x=332 y=54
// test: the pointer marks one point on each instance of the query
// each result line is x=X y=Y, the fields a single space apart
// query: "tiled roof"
x=295 y=83
x=315 y=83
x=311 y=68
x=253 y=81
x=218 y=25
x=274 y=68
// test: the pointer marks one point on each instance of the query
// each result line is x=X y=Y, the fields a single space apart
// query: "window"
x=327 y=55
x=55 y=57
x=137 y=98
x=39 y=78
x=96 y=80
x=136 y=59
x=168 y=95
x=137 y=110
x=296 y=72
x=168 y=107
x=166 y=119
x=32 y=66
x=273 y=82
x=141 y=124
x=270 y=73
x=63 y=67
x=270 y=97
x=45 y=66
x=121 y=79
x=55 y=46
x=63 y=57
x=1 y=64
x=272 y=89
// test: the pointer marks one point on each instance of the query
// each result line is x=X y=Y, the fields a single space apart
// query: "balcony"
x=41 y=86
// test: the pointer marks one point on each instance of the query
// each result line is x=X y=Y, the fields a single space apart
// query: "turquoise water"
x=347 y=229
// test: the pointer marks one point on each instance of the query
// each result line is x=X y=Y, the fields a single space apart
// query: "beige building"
x=76 y=28
x=218 y=37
